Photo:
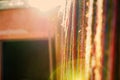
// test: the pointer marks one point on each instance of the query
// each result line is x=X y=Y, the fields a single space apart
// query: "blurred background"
x=59 y=40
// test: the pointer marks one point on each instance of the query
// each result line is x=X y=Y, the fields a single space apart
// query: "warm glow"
x=98 y=40
x=45 y=5
x=88 y=39
x=80 y=76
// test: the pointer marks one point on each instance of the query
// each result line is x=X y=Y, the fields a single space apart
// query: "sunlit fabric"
x=86 y=36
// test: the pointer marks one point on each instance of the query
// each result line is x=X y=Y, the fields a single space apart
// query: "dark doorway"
x=25 y=60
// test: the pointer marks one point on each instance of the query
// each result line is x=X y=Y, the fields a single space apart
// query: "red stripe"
x=112 y=47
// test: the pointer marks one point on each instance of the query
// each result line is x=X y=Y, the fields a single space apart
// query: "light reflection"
x=98 y=40
x=45 y=5
x=88 y=48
